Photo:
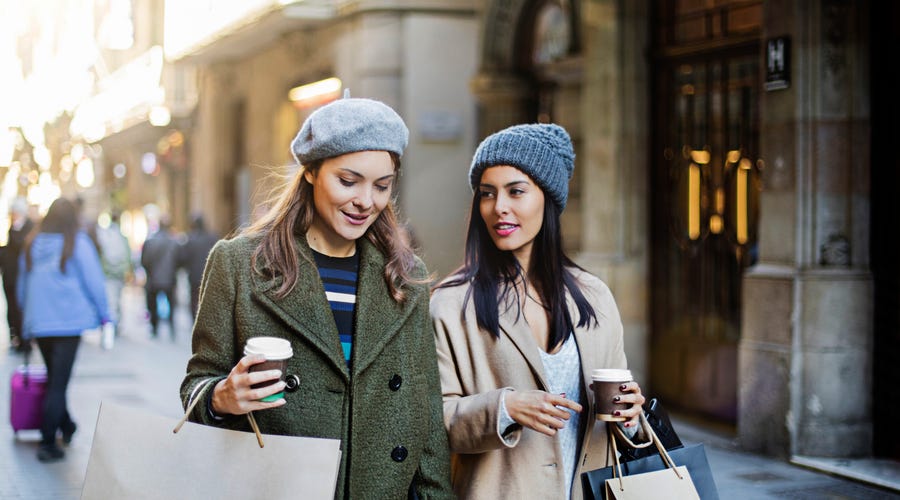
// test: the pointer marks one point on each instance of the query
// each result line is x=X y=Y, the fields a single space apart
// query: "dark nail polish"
x=623 y=387
x=617 y=413
x=616 y=399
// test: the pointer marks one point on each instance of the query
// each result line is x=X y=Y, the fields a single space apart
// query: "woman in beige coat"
x=519 y=327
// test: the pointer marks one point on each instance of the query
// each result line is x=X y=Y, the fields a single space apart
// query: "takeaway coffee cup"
x=606 y=385
x=277 y=352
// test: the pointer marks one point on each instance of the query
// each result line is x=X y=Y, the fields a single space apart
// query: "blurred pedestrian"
x=328 y=270
x=115 y=256
x=60 y=288
x=19 y=227
x=159 y=258
x=192 y=257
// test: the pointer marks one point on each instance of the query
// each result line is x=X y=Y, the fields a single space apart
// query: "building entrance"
x=704 y=198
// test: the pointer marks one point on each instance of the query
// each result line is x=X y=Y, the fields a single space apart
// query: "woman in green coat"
x=330 y=269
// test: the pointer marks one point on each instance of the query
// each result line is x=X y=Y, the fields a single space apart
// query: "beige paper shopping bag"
x=135 y=455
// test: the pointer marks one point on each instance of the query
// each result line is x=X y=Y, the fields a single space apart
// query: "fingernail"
x=617 y=413
x=623 y=387
x=616 y=399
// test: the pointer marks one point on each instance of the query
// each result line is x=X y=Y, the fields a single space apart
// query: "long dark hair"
x=62 y=217
x=292 y=214
x=493 y=274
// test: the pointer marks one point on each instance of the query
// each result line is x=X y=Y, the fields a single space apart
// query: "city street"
x=145 y=373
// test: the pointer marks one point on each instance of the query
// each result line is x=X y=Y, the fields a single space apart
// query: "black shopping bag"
x=692 y=456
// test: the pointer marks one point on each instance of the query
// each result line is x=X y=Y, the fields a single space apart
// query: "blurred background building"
x=734 y=171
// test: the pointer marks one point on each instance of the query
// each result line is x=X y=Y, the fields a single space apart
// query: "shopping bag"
x=107 y=335
x=659 y=420
x=691 y=458
x=136 y=455
x=657 y=484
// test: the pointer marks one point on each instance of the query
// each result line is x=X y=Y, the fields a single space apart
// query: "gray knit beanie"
x=543 y=151
x=349 y=125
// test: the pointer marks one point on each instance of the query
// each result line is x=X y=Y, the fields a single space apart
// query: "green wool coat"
x=387 y=412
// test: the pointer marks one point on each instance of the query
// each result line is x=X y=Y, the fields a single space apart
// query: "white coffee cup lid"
x=270 y=347
x=611 y=375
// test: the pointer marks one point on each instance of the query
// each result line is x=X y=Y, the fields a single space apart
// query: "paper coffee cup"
x=277 y=351
x=606 y=383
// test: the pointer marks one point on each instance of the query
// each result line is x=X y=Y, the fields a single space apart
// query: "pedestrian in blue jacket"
x=61 y=291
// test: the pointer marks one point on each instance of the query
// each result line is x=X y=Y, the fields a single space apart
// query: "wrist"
x=210 y=410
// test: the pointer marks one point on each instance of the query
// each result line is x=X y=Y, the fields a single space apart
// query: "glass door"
x=705 y=184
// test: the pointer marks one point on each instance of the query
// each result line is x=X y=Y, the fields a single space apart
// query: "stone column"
x=614 y=160
x=805 y=360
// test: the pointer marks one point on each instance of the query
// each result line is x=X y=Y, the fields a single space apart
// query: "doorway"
x=704 y=186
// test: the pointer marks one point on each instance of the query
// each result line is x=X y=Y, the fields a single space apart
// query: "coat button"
x=395 y=382
x=292 y=383
x=399 y=454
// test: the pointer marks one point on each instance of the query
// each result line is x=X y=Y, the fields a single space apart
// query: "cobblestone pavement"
x=145 y=372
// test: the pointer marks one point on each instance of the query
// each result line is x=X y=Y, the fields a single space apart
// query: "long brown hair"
x=290 y=217
x=62 y=217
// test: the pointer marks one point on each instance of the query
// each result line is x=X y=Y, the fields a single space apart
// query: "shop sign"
x=778 y=63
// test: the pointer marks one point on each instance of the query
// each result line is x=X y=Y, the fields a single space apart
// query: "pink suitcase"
x=28 y=387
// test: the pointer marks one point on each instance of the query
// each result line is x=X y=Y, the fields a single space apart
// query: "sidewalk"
x=743 y=475
x=145 y=373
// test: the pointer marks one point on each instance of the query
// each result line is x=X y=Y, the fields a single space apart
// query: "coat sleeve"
x=433 y=477
x=212 y=341
x=472 y=419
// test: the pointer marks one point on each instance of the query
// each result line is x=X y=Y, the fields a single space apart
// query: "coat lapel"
x=517 y=330
x=378 y=316
x=305 y=310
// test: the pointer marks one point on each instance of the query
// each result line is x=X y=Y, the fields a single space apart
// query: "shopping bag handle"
x=250 y=417
x=654 y=439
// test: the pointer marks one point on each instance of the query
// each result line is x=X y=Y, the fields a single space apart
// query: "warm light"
x=160 y=116
x=700 y=157
x=715 y=224
x=741 y=203
x=43 y=192
x=66 y=164
x=316 y=93
x=77 y=153
x=694 y=201
x=176 y=139
x=84 y=173
x=9 y=140
x=42 y=157
x=133 y=225
x=733 y=156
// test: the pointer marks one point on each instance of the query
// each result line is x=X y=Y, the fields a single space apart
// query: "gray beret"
x=349 y=125
x=543 y=151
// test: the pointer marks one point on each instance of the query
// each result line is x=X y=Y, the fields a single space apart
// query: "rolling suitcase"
x=28 y=388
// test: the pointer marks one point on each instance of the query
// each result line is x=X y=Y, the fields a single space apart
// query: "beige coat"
x=476 y=368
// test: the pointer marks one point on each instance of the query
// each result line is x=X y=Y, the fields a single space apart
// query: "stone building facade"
x=722 y=187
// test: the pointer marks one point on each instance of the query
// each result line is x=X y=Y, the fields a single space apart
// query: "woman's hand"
x=539 y=410
x=233 y=395
x=633 y=395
